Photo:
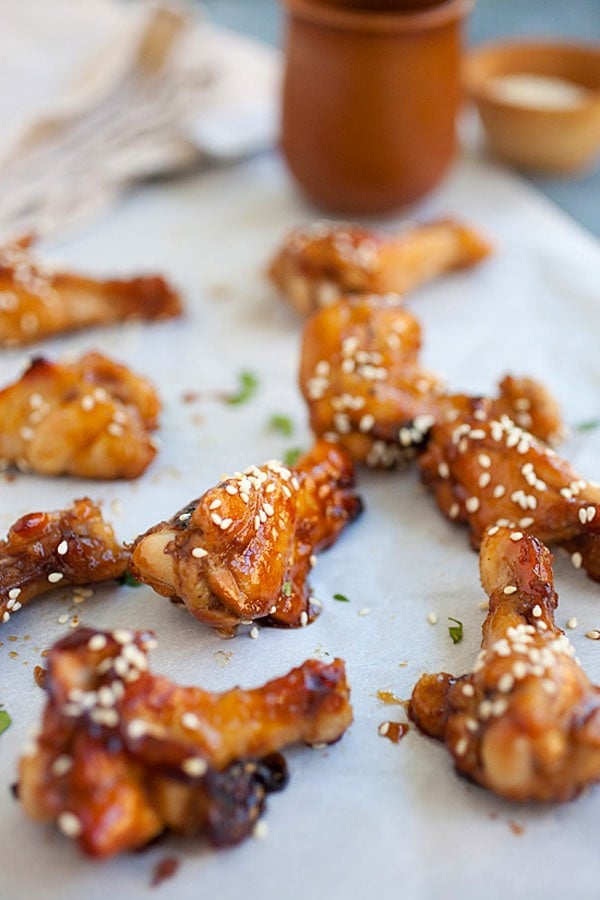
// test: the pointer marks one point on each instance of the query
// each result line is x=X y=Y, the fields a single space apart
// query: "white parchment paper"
x=365 y=817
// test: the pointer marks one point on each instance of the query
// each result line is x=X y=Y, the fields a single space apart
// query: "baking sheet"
x=365 y=815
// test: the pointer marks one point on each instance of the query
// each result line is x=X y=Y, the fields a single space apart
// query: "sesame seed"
x=484 y=479
x=593 y=635
x=225 y=523
x=516 y=536
x=199 y=552
x=61 y=765
x=519 y=669
x=303 y=618
x=122 y=635
x=62 y=548
x=97 y=642
x=194 y=766
x=87 y=402
x=443 y=470
x=572 y=622
x=115 y=429
x=484 y=460
x=69 y=824
x=55 y=577
x=254 y=632
x=260 y=830
x=432 y=618
x=190 y=720
x=460 y=747
x=526 y=522
x=499 y=491
x=383 y=729
x=493 y=530
x=454 y=511
x=62 y=620
x=468 y=690
x=537 y=611
x=577 y=559
x=510 y=589
x=472 y=504
x=506 y=683
x=14 y=593
x=137 y=728
x=215 y=504
x=106 y=696
x=364 y=611
x=185 y=516
x=216 y=518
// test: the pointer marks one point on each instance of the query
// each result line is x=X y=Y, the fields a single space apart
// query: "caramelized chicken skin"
x=36 y=302
x=124 y=754
x=243 y=551
x=320 y=263
x=525 y=723
x=366 y=389
x=45 y=550
x=91 y=418
x=487 y=471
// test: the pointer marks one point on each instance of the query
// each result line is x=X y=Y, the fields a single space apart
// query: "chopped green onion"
x=247 y=389
x=455 y=631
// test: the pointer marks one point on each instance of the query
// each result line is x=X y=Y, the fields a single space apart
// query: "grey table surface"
x=566 y=19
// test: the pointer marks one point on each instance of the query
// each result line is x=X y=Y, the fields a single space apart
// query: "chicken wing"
x=124 y=754
x=244 y=549
x=525 y=723
x=45 y=550
x=36 y=302
x=320 y=263
x=487 y=471
x=91 y=418
x=365 y=388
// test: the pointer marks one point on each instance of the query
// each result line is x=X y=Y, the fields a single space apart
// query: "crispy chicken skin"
x=124 y=754
x=322 y=262
x=243 y=551
x=36 y=302
x=487 y=471
x=91 y=418
x=525 y=722
x=366 y=389
x=46 y=550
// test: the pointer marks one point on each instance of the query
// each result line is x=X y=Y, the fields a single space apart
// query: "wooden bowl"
x=562 y=138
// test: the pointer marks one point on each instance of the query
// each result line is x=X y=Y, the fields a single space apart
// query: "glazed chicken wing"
x=525 y=723
x=244 y=549
x=91 y=418
x=45 y=550
x=124 y=754
x=487 y=471
x=366 y=389
x=319 y=264
x=36 y=302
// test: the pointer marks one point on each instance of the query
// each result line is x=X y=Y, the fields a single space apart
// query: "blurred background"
x=564 y=19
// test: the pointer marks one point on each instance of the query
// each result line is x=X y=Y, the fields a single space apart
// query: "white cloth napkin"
x=100 y=93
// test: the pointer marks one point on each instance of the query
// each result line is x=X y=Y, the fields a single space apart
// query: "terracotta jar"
x=370 y=96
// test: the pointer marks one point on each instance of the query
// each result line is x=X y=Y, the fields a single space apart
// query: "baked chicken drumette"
x=366 y=389
x=48 y=550
x=92 y=418
x=487 y=471
x=525 y=722
x=123 y=755
x=37 y=302
x=243 y=551
x=320 y=263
